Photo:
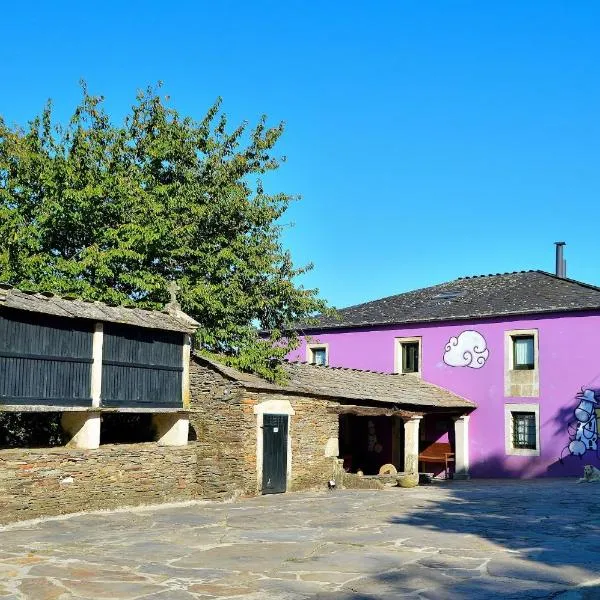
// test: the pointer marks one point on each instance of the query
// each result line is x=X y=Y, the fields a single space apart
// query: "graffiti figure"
x=583 y=433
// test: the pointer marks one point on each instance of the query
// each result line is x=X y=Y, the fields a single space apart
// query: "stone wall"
x=53 y=481
x=223 y=420
x=219 y=462
x=223 y=416
x=312 y=427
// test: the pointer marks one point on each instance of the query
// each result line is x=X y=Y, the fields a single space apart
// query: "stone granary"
x=88 y=359
x=295 y=435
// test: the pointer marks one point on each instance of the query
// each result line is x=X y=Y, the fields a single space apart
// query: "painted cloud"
x=469 y=349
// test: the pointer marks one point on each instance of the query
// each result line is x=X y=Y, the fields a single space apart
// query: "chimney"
x=561 y=263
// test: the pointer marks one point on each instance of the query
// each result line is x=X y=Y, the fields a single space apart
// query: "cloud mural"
x=469 y=349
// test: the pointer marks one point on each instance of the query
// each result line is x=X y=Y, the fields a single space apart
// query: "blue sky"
x=428 y=140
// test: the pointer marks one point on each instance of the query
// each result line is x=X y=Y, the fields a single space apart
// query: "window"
x=523 y=352
x=408 y=355
x=522 y=429
x=317 y=354
x=522 y=363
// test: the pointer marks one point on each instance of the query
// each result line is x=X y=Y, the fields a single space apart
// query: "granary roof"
x=349 y=384
x=49 y=304
x=483 y=296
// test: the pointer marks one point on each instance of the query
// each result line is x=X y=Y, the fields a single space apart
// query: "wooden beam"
x=372 y=411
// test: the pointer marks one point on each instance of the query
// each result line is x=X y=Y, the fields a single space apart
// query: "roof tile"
x=348 y=384
x=476 y=297
x=96 y=311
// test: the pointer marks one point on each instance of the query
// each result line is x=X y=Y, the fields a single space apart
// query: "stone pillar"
x=83 y=428
x=96 y=383
x=185 y=376
x=338 y=472
x=411 y=444
x=171 y=429
x=461 y=451
x=332 y=448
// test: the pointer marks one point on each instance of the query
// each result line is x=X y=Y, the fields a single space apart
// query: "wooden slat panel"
x=31 y=333
x=127 y=386
x=141 y=367
x=142 y=346
x=44 y=360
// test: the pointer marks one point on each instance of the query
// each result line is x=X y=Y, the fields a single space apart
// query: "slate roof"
x=340 y=383
x=49 y=304
x=483 y=296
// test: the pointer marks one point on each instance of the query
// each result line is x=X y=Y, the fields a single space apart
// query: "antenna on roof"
x=561 y=263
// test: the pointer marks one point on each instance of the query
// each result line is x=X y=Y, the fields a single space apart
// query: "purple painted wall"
x=569 y=359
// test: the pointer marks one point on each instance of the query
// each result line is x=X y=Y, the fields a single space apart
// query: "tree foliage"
x=114 y=212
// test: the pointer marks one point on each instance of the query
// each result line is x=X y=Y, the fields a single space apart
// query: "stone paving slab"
x=455 y=541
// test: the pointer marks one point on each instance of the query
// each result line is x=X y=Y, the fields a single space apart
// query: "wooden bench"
x=438 y=452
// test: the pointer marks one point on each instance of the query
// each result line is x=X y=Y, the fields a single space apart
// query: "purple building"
x=524 y=347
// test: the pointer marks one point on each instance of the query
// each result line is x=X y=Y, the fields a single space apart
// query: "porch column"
x=83 y=429
x=411 y=444
x=171 y=429
x=185 y=376
x=461 y=451
x=97 y=344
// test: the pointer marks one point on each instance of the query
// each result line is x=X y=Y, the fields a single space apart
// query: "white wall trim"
x=508 y=347
x=508 y=429
x=272 y=407
x=461 y=447
x=96 y=380
x=185 y=376
x=411 y=444
x=398 y=353
x=310 y=347
x=521 y=383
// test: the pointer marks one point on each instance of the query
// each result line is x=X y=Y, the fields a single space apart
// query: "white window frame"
x=309 y=352
x=398 y=354
x=510 y=351
x=521 y=378
x=509 y=409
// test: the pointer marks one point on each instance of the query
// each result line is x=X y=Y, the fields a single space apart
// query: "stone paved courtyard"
x=485 y=539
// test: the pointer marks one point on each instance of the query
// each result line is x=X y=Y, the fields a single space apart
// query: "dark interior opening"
x=368 y=443
x=126 y=428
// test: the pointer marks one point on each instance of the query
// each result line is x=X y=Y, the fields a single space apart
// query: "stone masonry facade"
x=223 y=417
x=219 y=462
x=53 y=481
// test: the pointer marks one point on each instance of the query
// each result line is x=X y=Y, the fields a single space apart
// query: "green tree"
x=115 y=212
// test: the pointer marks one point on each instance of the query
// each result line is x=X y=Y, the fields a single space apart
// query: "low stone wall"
x=53 y=481
x=352 y=481
x=219 y=463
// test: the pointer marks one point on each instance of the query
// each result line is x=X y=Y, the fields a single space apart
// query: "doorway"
x=275 y=444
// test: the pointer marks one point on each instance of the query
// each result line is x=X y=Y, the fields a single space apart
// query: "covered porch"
x=426 y=441
x=388 y=419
